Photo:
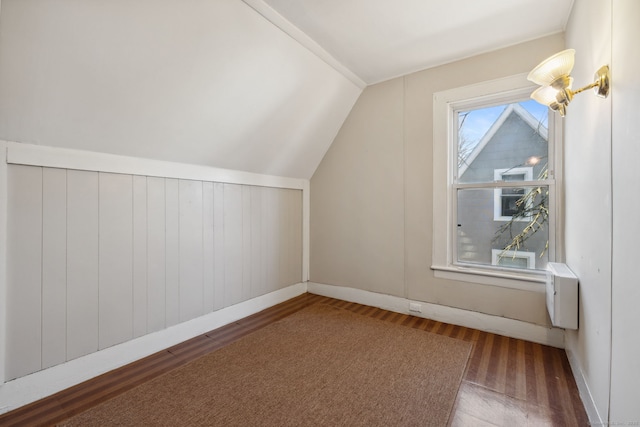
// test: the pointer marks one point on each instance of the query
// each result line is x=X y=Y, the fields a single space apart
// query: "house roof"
x=526 y=116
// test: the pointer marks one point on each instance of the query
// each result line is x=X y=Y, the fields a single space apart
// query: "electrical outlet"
x=415 y=307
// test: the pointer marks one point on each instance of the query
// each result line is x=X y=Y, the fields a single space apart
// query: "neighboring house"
x=515 y=148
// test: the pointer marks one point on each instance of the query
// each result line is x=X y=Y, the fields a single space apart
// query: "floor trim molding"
x=583 y=389
x=484 y=322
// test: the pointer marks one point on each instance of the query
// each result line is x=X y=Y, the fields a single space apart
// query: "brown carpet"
x=322 y=366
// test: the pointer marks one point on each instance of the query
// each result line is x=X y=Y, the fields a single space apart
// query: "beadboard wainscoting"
x=104 y=249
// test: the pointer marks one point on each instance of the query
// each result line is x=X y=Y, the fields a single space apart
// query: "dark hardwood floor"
x=507 y=382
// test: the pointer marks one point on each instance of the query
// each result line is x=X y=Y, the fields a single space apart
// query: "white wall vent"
x=562 y=296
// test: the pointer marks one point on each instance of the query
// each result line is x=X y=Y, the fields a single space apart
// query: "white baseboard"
x=583 y=389
x=30 y=388
x=484 y=322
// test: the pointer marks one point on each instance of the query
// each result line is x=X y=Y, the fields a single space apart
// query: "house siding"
x=513 y=143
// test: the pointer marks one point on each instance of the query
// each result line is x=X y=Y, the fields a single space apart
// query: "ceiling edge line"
x=298 y=35
x=445 y=62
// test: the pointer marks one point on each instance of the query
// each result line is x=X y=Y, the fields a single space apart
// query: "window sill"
x=533 y=282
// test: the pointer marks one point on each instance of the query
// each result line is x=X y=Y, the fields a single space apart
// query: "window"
x=516 y=259
x=506 y=206
x=494 y=166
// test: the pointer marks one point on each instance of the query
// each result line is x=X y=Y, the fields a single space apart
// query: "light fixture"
x=553 y=75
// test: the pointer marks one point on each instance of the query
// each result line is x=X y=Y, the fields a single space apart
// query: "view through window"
x=501 y=186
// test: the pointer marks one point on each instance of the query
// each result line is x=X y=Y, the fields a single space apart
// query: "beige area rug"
x=322 y=366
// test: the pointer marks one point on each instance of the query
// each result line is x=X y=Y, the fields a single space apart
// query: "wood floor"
x=507 y=382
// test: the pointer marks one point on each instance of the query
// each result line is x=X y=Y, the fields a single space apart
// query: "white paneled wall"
x=96 y=259
x=155 y=255
x=82 y=263
x=54 y=266
x=24 y=272
x=115 y=259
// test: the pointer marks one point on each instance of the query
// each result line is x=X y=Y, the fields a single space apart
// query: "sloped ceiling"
x=255 y=85
x=203 y=82
x=381 y=39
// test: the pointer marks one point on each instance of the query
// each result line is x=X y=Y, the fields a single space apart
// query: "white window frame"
x=496 y=254
x=497 y=193
x=444 y=258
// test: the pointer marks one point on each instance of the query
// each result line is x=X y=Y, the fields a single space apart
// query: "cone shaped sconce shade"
x=552 y=68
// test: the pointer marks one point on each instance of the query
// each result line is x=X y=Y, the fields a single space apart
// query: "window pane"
x=517 y=240
x=503 y=137
x=512 y=261
x=513 y=177
x=510 y=198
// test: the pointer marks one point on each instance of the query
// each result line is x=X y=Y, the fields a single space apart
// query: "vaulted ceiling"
x=255 y=85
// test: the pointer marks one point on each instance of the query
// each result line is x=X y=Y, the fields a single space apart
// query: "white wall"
x=201 y=82
x=588 y=201
x=372 y=194
x=625 y=354
x=602 y=146
x=97 y=258
x=357 y=202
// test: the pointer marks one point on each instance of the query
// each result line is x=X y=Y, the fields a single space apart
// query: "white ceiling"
x=253 y=85
x=380 y=39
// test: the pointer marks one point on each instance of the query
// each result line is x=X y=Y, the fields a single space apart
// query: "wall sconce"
x=553 y=74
